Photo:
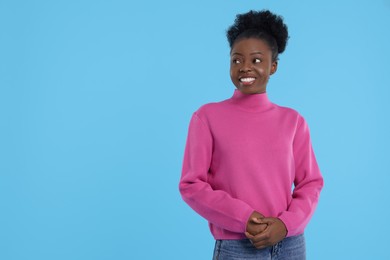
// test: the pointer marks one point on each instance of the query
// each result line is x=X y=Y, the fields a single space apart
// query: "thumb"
x=257 y=220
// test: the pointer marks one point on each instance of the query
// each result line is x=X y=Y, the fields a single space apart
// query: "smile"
x=247 y=80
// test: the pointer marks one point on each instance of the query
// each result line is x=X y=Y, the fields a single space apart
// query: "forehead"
x=250 y=45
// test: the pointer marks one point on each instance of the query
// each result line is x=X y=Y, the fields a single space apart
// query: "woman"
x=243 y=155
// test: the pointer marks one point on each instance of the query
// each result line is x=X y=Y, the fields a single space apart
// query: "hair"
x=262 y=25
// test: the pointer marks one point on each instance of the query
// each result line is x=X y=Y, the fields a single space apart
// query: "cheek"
x=261 y=71
x=265 y=71
x=232 y=73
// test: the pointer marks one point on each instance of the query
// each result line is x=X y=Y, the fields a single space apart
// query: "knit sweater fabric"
x=248 y=154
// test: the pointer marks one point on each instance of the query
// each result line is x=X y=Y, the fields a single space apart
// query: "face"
x=251 y=65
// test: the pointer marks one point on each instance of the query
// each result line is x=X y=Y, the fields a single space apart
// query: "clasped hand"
x=264 y=232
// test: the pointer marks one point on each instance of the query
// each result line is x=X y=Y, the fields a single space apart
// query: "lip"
x=246 y=76
x=247 y=83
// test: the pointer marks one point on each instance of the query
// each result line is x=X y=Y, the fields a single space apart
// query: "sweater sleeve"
x=217 y=206
x=308 y=183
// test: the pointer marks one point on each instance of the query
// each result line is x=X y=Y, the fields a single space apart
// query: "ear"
x=274 y=67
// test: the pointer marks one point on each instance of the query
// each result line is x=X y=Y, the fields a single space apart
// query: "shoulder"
x=212 y=108
x=291 y=114
x=287 y=110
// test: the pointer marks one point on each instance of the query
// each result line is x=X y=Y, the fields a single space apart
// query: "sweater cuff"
x=287 y=224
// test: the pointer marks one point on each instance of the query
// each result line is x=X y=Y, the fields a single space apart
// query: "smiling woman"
x=256 y=39
x=244 y=154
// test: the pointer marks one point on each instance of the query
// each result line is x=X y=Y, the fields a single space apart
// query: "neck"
x=251 y=102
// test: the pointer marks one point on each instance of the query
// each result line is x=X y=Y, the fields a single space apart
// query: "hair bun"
x=260 y=22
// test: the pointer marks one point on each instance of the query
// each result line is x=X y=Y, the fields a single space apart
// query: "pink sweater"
x=245 y=154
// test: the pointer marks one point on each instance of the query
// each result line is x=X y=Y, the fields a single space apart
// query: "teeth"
x=247 y=79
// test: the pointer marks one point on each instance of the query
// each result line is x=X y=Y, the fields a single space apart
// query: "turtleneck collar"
x=251 y=102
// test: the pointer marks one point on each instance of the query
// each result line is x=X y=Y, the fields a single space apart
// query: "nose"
x=246 y=67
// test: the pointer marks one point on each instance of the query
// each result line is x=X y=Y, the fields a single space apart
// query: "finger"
x=263 y=236
x=268 y=221
x=249 y=235
x=257 y=242
x=253 y=238
x=261 y=245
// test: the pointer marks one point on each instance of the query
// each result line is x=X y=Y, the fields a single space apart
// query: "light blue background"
x=95 y=101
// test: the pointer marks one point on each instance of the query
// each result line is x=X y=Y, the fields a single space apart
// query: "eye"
x=236 y=61
x=256 y=60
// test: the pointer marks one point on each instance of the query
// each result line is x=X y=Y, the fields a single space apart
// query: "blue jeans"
x=290 y=248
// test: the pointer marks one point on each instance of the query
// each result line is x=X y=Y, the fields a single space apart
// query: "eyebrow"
x=252 y=53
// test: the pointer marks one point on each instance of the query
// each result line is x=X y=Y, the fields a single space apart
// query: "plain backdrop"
x=95 y=101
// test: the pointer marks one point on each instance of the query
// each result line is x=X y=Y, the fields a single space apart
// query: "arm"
x=308 y=183
x=217 y=206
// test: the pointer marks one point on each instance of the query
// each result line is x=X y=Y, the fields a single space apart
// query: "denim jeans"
x=290 y=248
